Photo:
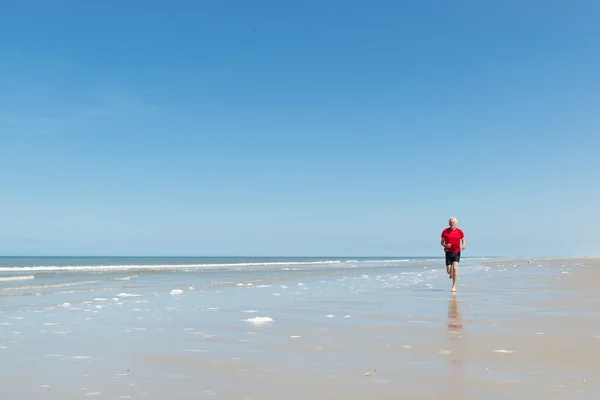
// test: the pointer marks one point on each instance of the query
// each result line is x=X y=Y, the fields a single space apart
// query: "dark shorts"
x=452 y=257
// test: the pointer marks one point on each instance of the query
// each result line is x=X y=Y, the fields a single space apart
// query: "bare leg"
x=454 y=275
x=449 y=271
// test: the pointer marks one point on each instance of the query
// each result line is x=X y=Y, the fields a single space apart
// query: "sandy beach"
x=515 y=328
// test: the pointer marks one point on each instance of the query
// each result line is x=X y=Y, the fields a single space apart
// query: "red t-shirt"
x=453 y=237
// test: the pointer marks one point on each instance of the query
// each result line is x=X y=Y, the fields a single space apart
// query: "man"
x=453 y=241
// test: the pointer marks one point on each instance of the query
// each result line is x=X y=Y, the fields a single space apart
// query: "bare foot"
x=454 y=289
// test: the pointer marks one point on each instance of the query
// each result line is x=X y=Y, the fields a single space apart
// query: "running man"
x=451 y=240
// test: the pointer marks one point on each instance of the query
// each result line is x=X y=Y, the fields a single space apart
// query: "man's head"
x=452 y=223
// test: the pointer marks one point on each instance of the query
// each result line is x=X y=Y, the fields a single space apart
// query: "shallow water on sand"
x=256 y=329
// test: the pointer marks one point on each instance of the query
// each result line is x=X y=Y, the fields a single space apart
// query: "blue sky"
x=299 y=128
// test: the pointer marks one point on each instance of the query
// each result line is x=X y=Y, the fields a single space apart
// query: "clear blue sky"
x=310 y=128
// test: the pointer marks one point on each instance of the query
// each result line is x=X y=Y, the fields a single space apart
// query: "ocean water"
x=332 y=285
x=52 y=281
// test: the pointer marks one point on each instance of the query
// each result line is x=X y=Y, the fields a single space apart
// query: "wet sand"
x=514 y=329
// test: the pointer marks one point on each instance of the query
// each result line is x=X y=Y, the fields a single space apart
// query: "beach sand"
x=516 y=328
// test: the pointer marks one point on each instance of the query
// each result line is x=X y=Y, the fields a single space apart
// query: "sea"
x=73 y=278
x=37 y=282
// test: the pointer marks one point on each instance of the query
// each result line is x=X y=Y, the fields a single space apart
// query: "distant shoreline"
x=308 y=256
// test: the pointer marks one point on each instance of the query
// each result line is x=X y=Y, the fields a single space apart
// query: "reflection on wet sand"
x=455 y=331
x=457 y=387
x=455 y=325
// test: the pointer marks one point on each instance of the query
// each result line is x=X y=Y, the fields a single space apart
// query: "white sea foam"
x=176 y=291
x=16 y=278
x=125 y=278
x=123 y=295
x=126 y=267
x=259 y=320
x=48 y=286
x=503 y=351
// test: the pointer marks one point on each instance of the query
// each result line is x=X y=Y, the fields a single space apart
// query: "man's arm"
x=464 y=243
x=443 y=243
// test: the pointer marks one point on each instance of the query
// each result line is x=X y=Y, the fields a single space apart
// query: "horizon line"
x=283 y=256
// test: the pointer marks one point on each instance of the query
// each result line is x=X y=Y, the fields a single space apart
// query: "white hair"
x=453 y=219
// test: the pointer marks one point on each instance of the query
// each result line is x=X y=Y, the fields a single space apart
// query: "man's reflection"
x=454 y=318
x=455 y=330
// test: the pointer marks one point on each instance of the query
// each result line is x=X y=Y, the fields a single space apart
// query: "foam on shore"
x=259 y=320
x=16 y=278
